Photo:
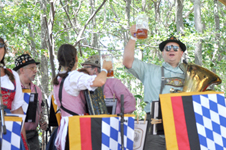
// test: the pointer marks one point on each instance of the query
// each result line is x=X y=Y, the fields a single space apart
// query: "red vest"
x=8 y=95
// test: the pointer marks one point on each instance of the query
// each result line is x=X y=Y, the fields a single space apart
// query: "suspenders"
x=162 y=80
x=173 y=81
x=60 y=98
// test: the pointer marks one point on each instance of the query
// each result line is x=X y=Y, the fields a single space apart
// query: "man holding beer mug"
x=113 y=88
x=151 y=76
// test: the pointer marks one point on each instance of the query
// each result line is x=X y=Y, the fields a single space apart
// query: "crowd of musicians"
x=69 y=84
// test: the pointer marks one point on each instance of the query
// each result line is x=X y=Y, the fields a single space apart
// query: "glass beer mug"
x=108 y=57
x=142 y=26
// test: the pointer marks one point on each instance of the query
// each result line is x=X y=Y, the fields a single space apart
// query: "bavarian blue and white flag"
x=26 y=93
x=194 y=120
x=11 y=140
x=111 y=135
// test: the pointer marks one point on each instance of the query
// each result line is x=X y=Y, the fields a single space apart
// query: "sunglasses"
x=2 y=45
x=168 y=48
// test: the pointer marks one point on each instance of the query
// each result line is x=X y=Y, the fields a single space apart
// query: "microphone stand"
x=2 y=107
x=122 y=122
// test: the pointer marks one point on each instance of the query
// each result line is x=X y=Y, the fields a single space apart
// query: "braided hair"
x=7 y=72
x=66 y=58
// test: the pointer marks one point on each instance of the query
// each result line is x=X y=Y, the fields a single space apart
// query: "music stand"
x=111 y=104
x=122 y=122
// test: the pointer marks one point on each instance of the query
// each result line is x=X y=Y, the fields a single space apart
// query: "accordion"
x=95 y=102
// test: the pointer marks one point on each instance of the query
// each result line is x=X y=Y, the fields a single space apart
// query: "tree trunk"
x=128 y=2
x=157 y=15
x=66 y=24
x=94 y=41
x=217 y=36
x=198 y=27
x=125 y=37
x=217 y=39
x=33 y=45
x=179 y=17
x=143 y=5
x=44 y=61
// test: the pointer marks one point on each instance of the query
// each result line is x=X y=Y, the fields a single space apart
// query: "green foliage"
x=112 y=28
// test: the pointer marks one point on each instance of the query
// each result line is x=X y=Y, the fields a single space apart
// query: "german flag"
x=194 y=121
x=96 y=132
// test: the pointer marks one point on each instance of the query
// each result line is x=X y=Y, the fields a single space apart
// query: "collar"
x=32 y=86
x=170 y=68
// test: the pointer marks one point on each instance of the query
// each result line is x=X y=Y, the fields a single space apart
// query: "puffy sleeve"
x=18 y=98
x=77 y=81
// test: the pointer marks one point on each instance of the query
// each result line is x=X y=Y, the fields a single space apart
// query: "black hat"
x=172 y=39
x=24 y=60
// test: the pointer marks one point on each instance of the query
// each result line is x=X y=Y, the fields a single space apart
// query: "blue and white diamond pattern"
x=111 y=136
x=11 y=140
x=26 y=100
x=210 y=114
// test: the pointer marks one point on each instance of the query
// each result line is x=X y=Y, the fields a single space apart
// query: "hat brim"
x=25 y=64
x=89 y=63
x=162 y=45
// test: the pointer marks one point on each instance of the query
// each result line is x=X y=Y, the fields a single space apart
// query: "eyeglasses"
x=34 y=68
x=168 y=48
x=2 y=45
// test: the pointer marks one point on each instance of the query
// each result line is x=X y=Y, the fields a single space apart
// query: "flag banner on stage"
x=30 y=105
x=194 y=120
x=100 y=132
x=55 y=114
x=11 y=140
x=26 y=93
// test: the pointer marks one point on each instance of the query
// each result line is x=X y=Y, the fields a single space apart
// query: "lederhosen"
x=174 y=81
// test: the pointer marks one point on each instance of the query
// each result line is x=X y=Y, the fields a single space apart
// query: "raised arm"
x=128 y=55
x=102 y=76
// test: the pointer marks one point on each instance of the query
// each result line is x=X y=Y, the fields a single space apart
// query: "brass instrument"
x=197 y=78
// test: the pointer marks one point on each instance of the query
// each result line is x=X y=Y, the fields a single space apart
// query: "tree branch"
x=76 y=13
x=189 y=12
x=87 y=22
x=94 y=48
x=68 y=16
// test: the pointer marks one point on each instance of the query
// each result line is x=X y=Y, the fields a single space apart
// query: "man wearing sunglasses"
x=26 y=67
x=156 y=79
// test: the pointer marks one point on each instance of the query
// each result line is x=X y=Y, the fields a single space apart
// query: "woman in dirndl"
x=11 y=91
x=68 y=86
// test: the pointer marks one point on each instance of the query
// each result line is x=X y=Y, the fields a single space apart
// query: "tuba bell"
x=197 y=78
